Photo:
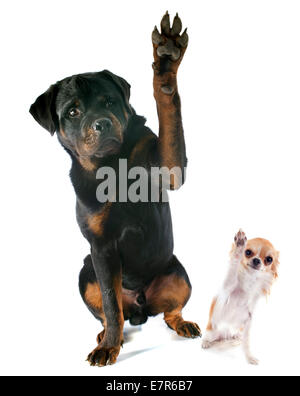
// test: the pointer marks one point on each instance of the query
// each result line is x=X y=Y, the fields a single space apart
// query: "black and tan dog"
x=131 y=272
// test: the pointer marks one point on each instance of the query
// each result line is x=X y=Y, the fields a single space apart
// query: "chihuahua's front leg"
x=236 y=257
x=169 y=48
x=246 y=343
x=213 y=332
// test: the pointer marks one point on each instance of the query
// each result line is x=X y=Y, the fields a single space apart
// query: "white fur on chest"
x=235 y=305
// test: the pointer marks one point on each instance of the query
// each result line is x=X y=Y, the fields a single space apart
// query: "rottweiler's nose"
x=256 y=262
x=102 y=125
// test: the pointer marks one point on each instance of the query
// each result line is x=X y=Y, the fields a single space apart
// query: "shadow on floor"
x=132 y=354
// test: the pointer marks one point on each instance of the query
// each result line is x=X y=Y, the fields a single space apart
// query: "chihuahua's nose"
x=256 y=262
x=102 y=125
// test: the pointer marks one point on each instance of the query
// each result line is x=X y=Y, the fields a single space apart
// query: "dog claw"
x=189 y=330
x=101 y=357
x=183 y=39
x=165 y=24
x=168 y=43
x=156 y=37
x=177 y=26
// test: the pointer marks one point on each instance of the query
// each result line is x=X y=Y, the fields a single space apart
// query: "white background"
x=240 y=90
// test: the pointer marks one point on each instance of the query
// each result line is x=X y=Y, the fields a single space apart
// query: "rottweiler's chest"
x=142 y=232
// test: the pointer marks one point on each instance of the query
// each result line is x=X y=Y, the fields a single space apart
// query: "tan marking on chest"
x=87 y=164
x=96 y=222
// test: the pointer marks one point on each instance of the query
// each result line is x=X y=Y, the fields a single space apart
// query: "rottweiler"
x=131 y=272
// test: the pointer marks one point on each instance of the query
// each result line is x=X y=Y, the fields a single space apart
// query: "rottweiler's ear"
x=43 y=109
x=121 y=84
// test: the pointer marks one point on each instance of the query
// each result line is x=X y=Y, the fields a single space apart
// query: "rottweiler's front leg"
x=107 y=267
x=169 y=48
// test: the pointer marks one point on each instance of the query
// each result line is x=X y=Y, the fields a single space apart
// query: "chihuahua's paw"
x=240 y=239
x=252 y=360
x=206 y=344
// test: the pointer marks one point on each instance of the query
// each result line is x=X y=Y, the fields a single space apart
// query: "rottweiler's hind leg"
x=169 y=293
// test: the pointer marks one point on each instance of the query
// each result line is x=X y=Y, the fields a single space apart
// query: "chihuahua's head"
x=260 y=255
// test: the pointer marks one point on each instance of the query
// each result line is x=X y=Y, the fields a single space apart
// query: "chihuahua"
x=253 y=269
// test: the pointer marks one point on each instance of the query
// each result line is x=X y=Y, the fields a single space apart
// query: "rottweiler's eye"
x=109 y=102
x=248 y=253
x=269 y=260
x=74 y=112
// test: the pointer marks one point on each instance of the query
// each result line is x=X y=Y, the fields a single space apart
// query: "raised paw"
x=240 y=239
x=170 y=43
x=188 y=330
x=102 y=356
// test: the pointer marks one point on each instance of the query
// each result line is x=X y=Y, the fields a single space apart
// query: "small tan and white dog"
x=253 y=269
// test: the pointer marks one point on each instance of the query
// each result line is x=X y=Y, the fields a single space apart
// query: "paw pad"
x=240 y=239
x=169 y=42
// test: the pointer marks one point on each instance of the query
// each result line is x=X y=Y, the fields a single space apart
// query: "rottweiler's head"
x=89 y=112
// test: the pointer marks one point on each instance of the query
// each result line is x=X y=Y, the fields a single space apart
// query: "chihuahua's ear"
x=43 y=109
x=275 y=266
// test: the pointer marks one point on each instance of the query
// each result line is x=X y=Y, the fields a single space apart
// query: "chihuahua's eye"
x=248 y=253
x=269 y=260
x=74 y=112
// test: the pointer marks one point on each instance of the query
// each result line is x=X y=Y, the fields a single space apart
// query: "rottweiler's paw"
x=169 y=43
x=102 y=356
x=188 y=330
